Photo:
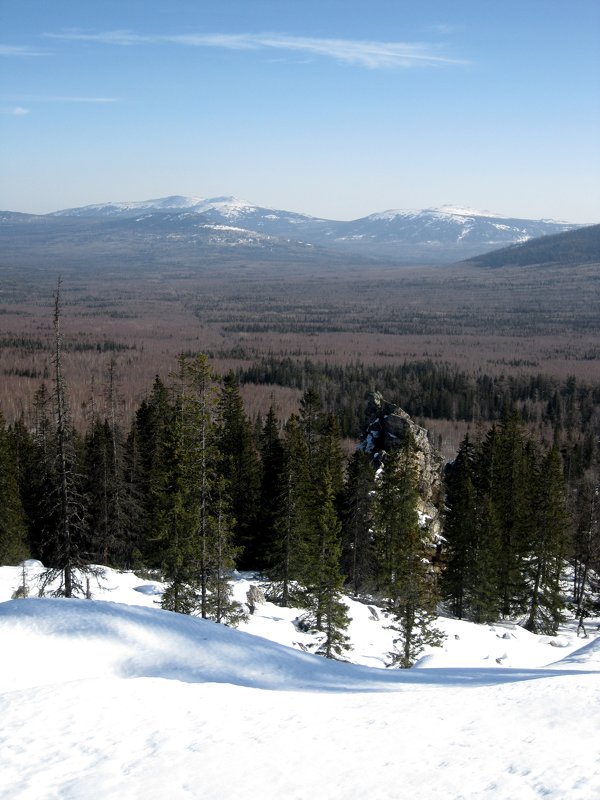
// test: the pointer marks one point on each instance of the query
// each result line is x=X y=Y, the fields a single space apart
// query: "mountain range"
x=571 y=248
x=186 y=230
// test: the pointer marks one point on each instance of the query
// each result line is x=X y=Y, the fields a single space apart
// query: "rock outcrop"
x=388 y=427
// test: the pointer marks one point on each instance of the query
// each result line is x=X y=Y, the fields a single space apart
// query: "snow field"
x=122 y=700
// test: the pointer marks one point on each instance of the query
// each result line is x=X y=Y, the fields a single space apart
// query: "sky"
x=336 y=108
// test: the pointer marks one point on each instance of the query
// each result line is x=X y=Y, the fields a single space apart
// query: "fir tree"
x=548 y=547
x=239 y=464
x=405 y=576
x=271 y=487
x=358 y=558
x=68 y=524
x=149 y=456
x=40 y=481
x=195 y=521
x=13 y=532
x=287 y=557
x=221 y=605
x=586 y=549
x=327 y=613
x=460 y=528
x=509 y=480
x=24 y=453
x=311 y=419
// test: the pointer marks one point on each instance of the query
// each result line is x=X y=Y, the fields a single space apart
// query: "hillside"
x=120 y=699
x=570 y=248
x=192 y=231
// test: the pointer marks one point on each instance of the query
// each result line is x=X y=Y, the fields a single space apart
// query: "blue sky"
x=337 y=109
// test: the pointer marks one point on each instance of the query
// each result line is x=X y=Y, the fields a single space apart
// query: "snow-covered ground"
x=120 y=699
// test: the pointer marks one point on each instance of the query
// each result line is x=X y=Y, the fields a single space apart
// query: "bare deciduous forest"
x=502 y=322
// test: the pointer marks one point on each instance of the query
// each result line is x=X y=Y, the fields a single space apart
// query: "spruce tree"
x=405 y=576
x=287 y=558
x=40 y=481
x=509 y=481
x=549 y=542
x=358 y=558
x=311 y=424
x=67 y=529
x=460 y=528
x=271 y=487
x=221 y=605
x=149 y=457
x=24 y=453
x=178 y=510
x=13 y=532
x=240 y=466
x=195 y=521
x=327 y=614
x=586 y=549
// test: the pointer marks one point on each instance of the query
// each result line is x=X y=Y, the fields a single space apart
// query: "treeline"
x=507 y=530
x=194 y=489
x=434 y=390
x=581 y=246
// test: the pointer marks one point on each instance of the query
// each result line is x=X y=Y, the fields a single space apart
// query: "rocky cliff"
x=388 y=427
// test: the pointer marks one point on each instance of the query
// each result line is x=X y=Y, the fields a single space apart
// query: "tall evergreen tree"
x=26 y=466
x=328 y=615
x=221 y=605
x=586 y=549
x=311 y=424
x=460 y=528
x=240 y=466
x=358 y=557
x=287 y=557
x=271 y=488
x=67 y=535
x=113 y=503
x=40 y=481
x=13 y=532
x=548 y=544
x=405 y=575
x=149 y=459
x=195 y=521
x=509 y=493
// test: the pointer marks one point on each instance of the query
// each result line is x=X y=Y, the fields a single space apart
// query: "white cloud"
x=66 y=99
x=17 y=111
x=40 y=98
x=16 y=50
x=370 y=54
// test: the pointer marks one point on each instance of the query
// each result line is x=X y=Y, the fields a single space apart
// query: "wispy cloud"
x=445 y=28
x=42 y=98
x=66 y=99
x=370 y=54
x=18 y=51
x=17 y=111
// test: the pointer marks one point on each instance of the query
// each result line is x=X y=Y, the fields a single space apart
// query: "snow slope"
x=123 y=700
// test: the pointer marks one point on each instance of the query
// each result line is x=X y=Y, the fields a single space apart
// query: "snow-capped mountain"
x=217 y=209
x=446 y=233
x=193 y=226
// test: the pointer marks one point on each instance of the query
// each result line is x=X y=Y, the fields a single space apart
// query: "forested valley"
x=192 y=487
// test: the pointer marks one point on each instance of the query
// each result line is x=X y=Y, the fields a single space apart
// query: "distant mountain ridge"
x=581 y=246
x=195 y=226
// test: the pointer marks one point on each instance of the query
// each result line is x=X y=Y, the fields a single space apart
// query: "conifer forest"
x=192 y=487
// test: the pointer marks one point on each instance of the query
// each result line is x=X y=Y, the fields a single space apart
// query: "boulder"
x=387 y=428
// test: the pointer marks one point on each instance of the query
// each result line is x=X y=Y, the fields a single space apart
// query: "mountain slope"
x=570 y=248
x=185 y=229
